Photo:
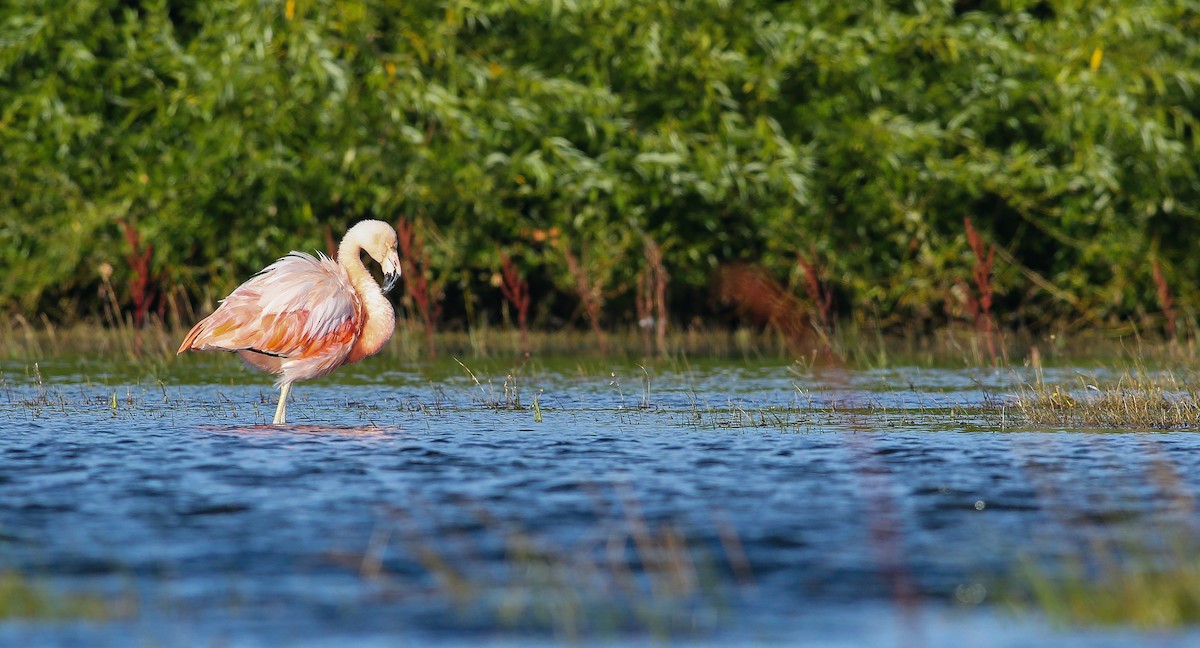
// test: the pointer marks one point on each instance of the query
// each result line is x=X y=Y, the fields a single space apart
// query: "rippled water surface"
x=714 y=504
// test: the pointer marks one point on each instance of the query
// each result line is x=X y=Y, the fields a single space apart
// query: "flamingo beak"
x=389 y=281
x=391 y=272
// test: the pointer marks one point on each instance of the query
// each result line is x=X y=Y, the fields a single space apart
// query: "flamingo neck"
x=378 y=315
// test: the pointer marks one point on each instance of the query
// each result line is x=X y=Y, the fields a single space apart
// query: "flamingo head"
x=378 y=239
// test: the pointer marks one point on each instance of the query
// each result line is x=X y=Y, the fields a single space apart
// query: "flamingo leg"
x=281 y=409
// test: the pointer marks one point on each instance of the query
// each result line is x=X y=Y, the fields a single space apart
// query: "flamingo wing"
x=301 y=306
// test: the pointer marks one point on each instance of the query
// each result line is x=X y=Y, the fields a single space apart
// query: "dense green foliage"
x=863 y=132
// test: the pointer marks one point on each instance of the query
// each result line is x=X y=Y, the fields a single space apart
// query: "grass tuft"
x=1138 y=400
x=625 y=573
x=1146 y=589
x=20 y=598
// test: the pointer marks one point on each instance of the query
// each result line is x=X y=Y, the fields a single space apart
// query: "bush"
x=232 y=131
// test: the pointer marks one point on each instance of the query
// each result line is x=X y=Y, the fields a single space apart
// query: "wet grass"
x=22 y=340
x=622 y=574
x=1137 y=399
x=21 y=598
x=851 y=346
x=1150 y=588
x=1123 y=395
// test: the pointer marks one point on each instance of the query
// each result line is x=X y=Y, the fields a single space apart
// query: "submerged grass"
x=21 y=598
x=1101 y=586
x=623 y=573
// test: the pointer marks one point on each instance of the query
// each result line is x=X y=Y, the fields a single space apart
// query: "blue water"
x=710 y=505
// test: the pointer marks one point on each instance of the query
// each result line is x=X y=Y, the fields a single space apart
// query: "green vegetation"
x=1138 y=400
x=625 y=572
x=174 y=148
x=22 y=599
x=1117 y=384
x=1138 y=585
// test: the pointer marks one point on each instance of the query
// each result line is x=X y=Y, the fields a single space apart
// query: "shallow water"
x=712 y=504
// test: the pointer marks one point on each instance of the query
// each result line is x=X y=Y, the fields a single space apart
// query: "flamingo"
x=302 y=317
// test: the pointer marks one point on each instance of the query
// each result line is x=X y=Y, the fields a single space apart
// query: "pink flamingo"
x=303 y=316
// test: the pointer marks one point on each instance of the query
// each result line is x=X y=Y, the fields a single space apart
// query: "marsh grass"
x=1138 y=399
x=1133 y=398
x=624 y=573
x=1106 y=585
x=21 y=339
x=851 y=345
x=21 y=598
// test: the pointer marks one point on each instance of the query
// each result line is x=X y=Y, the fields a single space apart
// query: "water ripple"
x=470 y=518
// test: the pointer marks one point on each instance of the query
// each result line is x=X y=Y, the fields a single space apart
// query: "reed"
x=416 y=259
x=650 y=300
x=331 y=247
x=516 y=291
x=760 y=298
x=859 y=346
x=589 y=293
x=1165 y=300
x=979 y=303
x=821 y=295
x=142 y=289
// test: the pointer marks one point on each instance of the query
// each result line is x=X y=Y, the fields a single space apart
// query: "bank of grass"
x=32 y=341
x=851 y=346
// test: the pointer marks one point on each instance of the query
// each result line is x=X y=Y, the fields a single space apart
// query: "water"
x=715 y=504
